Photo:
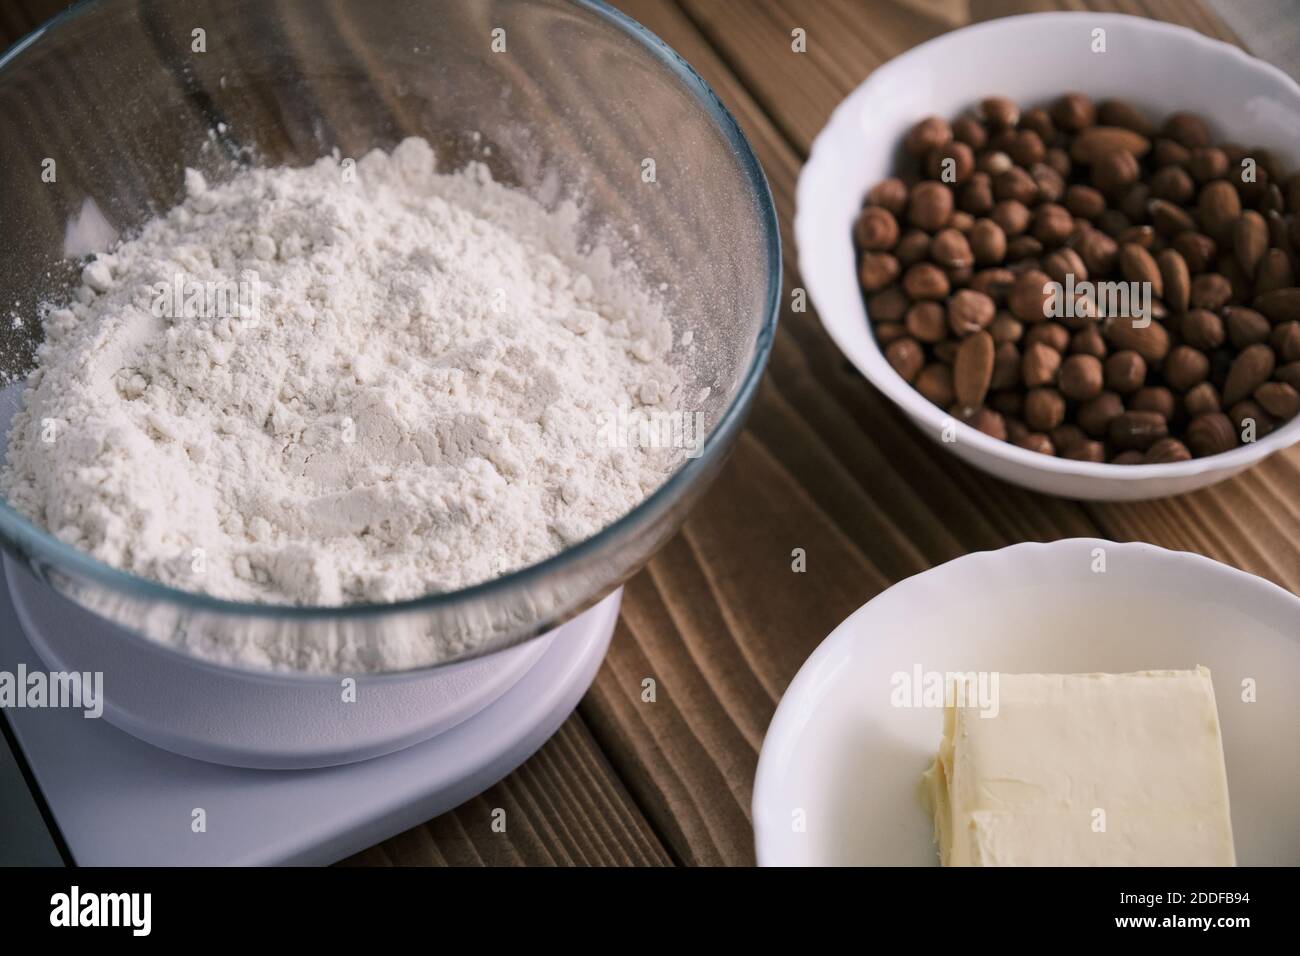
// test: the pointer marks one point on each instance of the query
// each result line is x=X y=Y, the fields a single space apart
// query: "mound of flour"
x=337 y=384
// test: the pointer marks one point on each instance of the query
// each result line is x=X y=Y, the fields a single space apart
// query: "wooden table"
x=718 y=619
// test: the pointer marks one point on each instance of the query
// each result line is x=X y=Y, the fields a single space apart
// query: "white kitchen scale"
x=408 y=749
x=278 y=771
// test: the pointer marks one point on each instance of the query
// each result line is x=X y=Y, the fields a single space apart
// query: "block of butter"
x=1083 y=770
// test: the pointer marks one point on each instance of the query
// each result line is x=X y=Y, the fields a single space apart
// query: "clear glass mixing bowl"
x=121 y=96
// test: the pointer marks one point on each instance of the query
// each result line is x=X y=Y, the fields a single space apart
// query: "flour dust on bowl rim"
x=1030 y=59
x=541 y=119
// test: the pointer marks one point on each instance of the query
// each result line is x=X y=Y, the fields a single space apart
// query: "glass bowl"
x=562 y=98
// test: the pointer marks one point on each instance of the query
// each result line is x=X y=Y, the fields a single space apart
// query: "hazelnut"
x=930 y=133
x=934 y=381
x=913 y=247
x=931 y=205
x=1040 y=365
x=1125 y=371
x=1081 y=377
x=1096 y=414
x=999 y=112
x=1073 y=112
x=1044 y=409
x=1093 y=451
x=876 y=229
x=1052 y=224
x=887 y=305
x=988 y=242
x=889 y=194
x=1187 y=129
x=878 y=270
x=970 y=131
x=1012 y=216
x=1155 y=398
x=1030 y=296
x=977 y=195
x=1015 y=184
x=925 y=280
x=1185 y=367
x=1027 y=148
x=970 y=311
x=951 y=250
x=927 y=322
x=906 y=356
x=952 y=162
x=1037 y=441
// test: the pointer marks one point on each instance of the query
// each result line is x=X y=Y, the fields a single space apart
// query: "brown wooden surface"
x=718 y=619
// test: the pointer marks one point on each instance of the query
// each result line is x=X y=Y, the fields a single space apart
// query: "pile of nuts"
x=972 y=262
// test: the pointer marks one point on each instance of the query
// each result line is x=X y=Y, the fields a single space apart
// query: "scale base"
x=119 y=801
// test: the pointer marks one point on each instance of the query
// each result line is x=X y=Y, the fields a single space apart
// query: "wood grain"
x=563 y=807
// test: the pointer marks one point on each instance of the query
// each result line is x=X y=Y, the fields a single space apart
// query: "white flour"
x=412 y=400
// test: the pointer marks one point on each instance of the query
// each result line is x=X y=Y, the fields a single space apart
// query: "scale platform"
x=119 y=801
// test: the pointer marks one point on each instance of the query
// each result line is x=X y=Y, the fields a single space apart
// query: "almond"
x=1219 y=208
x=1150 y=342
x=1274 y=273
x=1250 y=241
x=1125 y=114
x=1246 y=327
x=1280 y=305
x=1278 y=399
x=1137 y=430
x=1097 y=141
x=1169 y=219
x=1210 y=290
x=973 y=369
x=1167 y=450
x=1138 y=265
x=1249 y=370
x=1211 y=434
x=1197 y=249
x=1177 y=279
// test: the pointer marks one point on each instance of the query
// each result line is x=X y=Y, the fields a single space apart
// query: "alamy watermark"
x=939 y=689
x=75 y=690
x=1098 y=300
x=187 y=297
x=623 y=428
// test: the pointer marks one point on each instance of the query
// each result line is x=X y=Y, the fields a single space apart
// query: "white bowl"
x=842 y=760
x=1031 y=59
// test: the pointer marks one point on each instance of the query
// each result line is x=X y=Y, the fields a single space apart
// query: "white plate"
x=1031 y=58
x=842 y=761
